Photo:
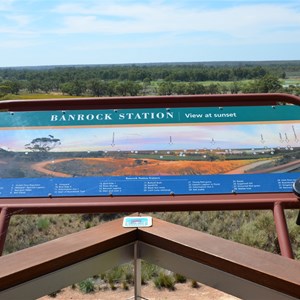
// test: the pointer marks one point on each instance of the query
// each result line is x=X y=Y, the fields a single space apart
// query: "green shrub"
x=111 y=283
x=125 y=285
x=164 y=280
x=128 y=275
x=149 y=271
x=87 y=286
x=54 y=294
x=195 y=284
x=43 y=224
x=179 y=278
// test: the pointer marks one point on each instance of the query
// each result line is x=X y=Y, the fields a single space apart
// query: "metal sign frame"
x=148 y=152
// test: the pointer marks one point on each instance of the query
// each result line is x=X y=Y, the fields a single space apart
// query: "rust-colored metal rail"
x=149 y=203
x=149 y=102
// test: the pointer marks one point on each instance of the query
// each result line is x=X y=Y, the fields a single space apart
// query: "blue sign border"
x=147 y=185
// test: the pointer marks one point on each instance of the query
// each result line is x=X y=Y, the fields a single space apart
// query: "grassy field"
x=26 y=96
x=291 y=81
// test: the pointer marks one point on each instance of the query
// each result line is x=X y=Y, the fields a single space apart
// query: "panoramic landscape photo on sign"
x=149 y=152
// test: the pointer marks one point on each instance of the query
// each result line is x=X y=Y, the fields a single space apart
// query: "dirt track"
x=128 y=166
x=160 y=167
x=41 y=167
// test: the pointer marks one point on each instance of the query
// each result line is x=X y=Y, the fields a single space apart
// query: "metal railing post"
x=282 y=231
x=4 y=223
x=137 y=272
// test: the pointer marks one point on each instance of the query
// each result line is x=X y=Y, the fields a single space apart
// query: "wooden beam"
x=270 y=270
x=39 y=260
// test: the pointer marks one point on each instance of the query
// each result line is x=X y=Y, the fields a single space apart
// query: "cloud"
x=6 y=5
x=240 y=23
x=12 y=23
x=157 y=17
x=19 y=20
x=150 y=30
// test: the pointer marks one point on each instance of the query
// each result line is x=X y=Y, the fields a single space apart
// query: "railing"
x=244 y=272
x=276 y=202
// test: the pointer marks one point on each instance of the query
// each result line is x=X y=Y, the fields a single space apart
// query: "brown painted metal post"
x=282 y=231
x=4 y=223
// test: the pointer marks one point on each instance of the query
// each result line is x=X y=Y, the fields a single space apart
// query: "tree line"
x=160 y=79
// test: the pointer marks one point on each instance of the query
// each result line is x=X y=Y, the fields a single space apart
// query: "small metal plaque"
x=137 y=222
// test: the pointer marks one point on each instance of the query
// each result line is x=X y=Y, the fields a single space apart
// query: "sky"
x=64 y=32
x=135 y=138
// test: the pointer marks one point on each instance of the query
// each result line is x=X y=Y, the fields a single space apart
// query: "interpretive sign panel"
x=153 y=151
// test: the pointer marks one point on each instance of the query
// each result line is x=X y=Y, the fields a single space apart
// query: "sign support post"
x=137 y=273
x=282 y=231
x=4 y=223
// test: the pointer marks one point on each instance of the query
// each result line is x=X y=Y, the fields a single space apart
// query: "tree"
x=165 y=88
x=10 y=87
x=194 y=88
x=43 y=144
x=112 y=88
x=97 y=87
x=235 y=87
x=146 y=85
x=46 y=86
x=74 y=88
x=134 y=88
x=213 y=88
x=123 y=88
x=180 y=88
x=33 y=86
x=269 y=84
x=4 y=90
